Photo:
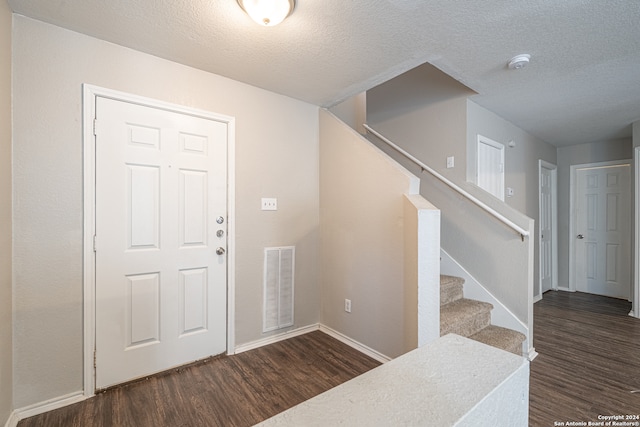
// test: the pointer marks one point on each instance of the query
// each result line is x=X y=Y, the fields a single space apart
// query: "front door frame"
x=90 y=93
x=572 y=213
x=554 y=219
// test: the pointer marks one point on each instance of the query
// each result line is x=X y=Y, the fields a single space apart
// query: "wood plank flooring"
x=589 y=359
x=588 y=365
x=239 y=390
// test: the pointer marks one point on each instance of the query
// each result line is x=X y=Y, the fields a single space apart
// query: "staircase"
x=472 y=319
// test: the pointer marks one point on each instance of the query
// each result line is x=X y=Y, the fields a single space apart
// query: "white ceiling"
x=583 y=83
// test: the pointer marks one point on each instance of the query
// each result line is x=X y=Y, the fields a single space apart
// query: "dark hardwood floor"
x=239 y=390
x=589 y=359
x=588 y=365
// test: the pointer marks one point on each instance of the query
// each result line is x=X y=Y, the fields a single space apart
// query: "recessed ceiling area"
x=582 y=83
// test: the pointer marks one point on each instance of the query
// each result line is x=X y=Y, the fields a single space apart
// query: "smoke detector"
x=519 y=61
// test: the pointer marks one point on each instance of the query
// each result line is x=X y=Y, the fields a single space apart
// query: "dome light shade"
x=268 y=12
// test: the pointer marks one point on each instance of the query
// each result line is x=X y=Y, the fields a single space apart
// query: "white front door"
x=546 y=225
x=161 y=209
x=603 y=230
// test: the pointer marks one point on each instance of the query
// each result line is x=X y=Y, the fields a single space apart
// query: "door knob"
x=220 y=251
x=580 y=236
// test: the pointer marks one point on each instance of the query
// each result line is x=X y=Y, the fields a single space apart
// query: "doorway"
x=547 y=228
x=158 y=218
x=600 y=240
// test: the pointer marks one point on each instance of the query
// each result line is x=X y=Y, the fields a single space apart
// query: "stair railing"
x=521 y=231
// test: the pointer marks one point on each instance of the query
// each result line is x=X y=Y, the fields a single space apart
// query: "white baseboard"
x=46 y=406
x=355 y=344
x=306 y=329
x=69 y=399
x=565 y=289
x=500 y=315
x=13 y=420
x=532 y=354
x=275 y=338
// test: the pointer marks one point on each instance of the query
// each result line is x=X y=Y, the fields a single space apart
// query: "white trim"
x=473 y=289
x=572 y=211
x=554 y=237
x=481 y=139
x=90 y=93
x=276 y=338
x=46 y=406
x=311 y=328
x=635 y=309
x=355 y=344
x=521 y=231
x=13 y=420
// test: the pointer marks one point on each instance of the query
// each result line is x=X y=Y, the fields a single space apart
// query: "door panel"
x=160 y=286
x=603 y=221
x=546 y=229
x=490 y=167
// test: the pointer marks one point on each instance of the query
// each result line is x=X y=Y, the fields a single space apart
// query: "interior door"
x=603 y=230
x=161 y=194
x=546 y=225
x=490 y=167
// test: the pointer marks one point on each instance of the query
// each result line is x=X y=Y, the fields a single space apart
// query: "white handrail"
x=471 y=198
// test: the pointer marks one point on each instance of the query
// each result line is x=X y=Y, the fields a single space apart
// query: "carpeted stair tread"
x=505 y=339
x=464 y=317
x=450 y=289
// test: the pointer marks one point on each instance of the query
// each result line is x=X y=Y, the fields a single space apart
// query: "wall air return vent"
x=278 y=288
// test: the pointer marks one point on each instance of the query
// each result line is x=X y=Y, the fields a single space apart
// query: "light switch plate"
x=450 y=162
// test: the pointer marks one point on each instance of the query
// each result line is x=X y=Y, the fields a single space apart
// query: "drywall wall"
x=276 y=156
x=6 y=368
x=618 y=149
x=521 y=163
x=352 y=111
x=424 y=111
x=521 y=160
x=362 y=244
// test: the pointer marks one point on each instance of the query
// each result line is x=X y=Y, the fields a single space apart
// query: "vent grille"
x=278 y=287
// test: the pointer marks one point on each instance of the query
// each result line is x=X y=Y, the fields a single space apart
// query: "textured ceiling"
x=583 y=83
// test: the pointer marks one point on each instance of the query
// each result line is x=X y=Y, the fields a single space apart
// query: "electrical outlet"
x=347 y=305
x=269 y=204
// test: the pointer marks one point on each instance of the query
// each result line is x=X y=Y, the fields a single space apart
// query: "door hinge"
x=95 y=363
x=95 y=243
x=95 y=127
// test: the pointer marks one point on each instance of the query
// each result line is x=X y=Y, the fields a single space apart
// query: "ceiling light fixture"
x=519 y=61
x=268 y=12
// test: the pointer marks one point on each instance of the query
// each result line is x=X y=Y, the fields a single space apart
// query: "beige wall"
x=521 y=163
x=276 y=156
x=425 y=112
x=6 y=381
x=619 y=149
x=361 y=211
